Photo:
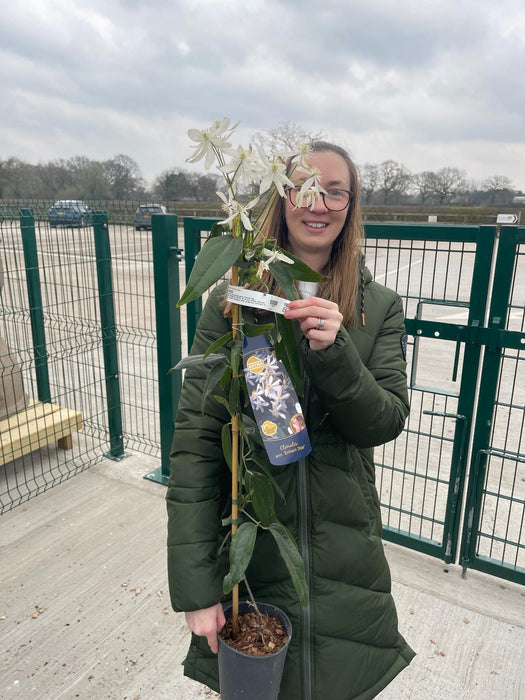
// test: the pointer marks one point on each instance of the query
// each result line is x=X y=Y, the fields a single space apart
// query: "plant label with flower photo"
x=276 y=408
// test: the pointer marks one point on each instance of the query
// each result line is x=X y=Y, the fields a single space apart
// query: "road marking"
x=398 y=269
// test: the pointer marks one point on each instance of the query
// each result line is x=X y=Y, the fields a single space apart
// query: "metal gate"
x=465 y=320
x=458 y=467
x=494 y=529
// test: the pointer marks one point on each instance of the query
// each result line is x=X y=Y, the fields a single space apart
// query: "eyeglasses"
x=333 y=199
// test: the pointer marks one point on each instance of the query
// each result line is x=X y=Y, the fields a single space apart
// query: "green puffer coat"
x=346 y=643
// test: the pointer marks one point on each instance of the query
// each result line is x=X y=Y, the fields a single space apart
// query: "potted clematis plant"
x=256 y=371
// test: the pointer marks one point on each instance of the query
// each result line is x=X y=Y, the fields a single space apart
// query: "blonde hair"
x=342 y=276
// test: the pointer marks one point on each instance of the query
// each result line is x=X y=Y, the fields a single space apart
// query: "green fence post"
x=166 y=257
x=192 y=246
x=109 y=335
x=193 y=229
x=36 y=311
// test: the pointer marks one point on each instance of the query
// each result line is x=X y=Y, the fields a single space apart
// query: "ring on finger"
x=320 y=324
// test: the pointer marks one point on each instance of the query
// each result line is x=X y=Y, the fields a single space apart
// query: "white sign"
x=507 y=219
x=432 y=218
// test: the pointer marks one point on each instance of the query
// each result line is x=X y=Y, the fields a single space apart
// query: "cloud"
x=422 y=83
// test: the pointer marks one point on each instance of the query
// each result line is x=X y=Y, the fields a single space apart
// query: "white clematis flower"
x=301 y=153
x=274 y=173
x=271 y=256
x=234 y=208
x=309 y=197
x=244 y=164
x=209 y=141
x=313 y=180
x=310 y=189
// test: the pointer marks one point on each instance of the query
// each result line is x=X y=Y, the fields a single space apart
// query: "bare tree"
x=284 y=137
x=369 y=179
x=20 y=179
x=394 y=180
x=178 y=184
x=174 y=184
x=124 y=177
x=496 y=184
x=448 y=182
x=423 y=184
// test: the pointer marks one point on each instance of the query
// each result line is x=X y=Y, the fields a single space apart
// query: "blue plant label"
x=275 y=404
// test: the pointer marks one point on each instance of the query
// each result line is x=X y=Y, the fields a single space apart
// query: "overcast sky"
x=428 y=83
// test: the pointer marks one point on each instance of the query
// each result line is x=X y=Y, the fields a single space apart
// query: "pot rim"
x=289 y=631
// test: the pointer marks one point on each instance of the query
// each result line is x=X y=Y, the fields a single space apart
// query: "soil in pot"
x=255 y=637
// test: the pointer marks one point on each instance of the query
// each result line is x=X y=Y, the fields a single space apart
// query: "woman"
x=350 y=343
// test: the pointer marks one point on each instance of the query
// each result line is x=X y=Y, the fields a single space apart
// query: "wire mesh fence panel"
x=56 y=342
x=434 y=278
x=52 y=334
x=134 y=298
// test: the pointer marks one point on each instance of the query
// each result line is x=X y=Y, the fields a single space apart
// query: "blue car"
x=69 y=212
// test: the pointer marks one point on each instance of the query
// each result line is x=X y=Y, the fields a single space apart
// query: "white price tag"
x=259 y=300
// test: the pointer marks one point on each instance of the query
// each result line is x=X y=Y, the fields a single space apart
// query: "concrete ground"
x=84 y=610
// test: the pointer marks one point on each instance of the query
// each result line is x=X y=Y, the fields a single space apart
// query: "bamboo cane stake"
x=235 y=467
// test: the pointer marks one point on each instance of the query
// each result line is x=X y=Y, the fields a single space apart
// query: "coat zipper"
x=304 y=544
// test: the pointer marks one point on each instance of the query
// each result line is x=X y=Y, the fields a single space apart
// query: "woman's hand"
x=206 y=623
x=320 y=320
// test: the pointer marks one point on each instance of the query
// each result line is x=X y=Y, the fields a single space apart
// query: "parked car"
x=70 y=212
x=143 y=214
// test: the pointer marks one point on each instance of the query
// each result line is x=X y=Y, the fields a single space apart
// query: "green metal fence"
x=88 y=317
x=453 y=484
x=51 y=324
x=494 y=527
x=78 y=321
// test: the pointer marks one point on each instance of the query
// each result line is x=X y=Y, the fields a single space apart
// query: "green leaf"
x=225 y=379
x=235 y=356
x=282 y=274
x=241 y=550
x=193 y=360
x=233 y=399
x=245 y=392
x=292 y=559
x=263 y=499
x=213 y=378
x=286 y=351
x=252 y=330
x=242 y=428
x=264 y=467
x=225 y=541
x=216 y=257
x=218 y=343
x=222 y=401
x=300 y=270
x=226 y=440
x=216 y=230
x=285 y=274
x=251 y=430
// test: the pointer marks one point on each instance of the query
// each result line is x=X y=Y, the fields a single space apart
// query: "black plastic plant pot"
x=245 y=677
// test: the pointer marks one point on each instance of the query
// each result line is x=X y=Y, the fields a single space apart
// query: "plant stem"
x=257 y=611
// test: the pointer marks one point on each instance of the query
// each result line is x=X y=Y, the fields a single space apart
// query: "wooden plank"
x=37 y=426
x=30 y=413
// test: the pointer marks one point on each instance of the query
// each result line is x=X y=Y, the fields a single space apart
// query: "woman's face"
x=312 y=232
